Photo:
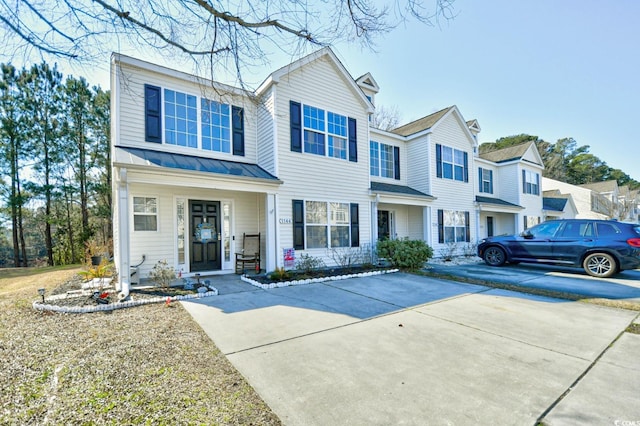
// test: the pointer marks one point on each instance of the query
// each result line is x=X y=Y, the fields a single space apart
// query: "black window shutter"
x=537 y=184
x=396 y=162
x=353 y=140
x=467 y=227
x=466 y=167
x=525 y=221
x=438 y=160
x=298 y=224
x=480 y=182
x=355 y=225
x=524 y=181
x=491 y=181
x=152 y=111
x=440 y=226
x=237 y=129
x=295 y=113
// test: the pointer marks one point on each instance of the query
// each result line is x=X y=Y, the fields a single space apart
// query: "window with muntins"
x=314 y=130
x=216 y=126
x=327 y=224
x=454 y=226
x=337 y=130
x=485 y=178
x=180 y=119
x=383 y=160
x=145 y=214
x=451 y=163
x=193 y=122
x=531 y=182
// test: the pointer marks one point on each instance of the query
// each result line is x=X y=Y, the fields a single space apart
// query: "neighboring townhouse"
x=508 y=192
x=584 y=198
x=599 y=200
x=197 y=165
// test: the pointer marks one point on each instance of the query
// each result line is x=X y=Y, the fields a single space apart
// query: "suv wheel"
x=600 y=265
x=494 y=256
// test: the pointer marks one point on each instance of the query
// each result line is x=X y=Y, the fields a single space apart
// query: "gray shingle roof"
x=397 y=189
x=553 y=203
x=606 y=186
x=421 y=124
x=507 y=154
x=193 y=163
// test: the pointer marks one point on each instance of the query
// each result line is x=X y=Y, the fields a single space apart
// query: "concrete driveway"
x=404 y=349
x=623 y=286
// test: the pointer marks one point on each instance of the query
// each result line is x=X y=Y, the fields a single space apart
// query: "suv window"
x=545 y=230
x=607 y=229
x=577 y=229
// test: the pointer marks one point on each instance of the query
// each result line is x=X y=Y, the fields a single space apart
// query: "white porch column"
x=124 y=274
x=426 y=225
x=374 y=222
x=272 y=232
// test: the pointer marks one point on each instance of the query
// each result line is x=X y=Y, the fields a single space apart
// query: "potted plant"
x=95 y=252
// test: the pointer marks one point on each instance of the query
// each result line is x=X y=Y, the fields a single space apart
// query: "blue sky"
x=553 y=69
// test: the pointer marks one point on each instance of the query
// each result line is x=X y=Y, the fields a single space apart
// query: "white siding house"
x=198 y=164
x=508 y=190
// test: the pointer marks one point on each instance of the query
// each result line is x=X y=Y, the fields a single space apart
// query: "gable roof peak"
x=510 y=153
x=367 y=81
x=423 y=123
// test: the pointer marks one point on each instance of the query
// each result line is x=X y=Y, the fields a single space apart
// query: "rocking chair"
x=250 y=253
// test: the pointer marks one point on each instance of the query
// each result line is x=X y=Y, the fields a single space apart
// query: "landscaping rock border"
x=278 y=284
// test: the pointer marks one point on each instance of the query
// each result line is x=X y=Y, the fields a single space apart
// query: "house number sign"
x=284 y=220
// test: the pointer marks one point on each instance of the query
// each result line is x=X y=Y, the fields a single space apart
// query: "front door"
x=489 y=226
x=205 y=236
x=383 y=225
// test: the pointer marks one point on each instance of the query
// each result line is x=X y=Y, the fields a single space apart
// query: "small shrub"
x=346 y=257
x=98 y=271
x=448 y=252
x=469 y=249
x=405 y=253
x=280 y=274
x=162 y=274
x=308 y=263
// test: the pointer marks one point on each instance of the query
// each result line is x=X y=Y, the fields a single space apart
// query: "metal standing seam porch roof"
x=139 y=156
x=496 y=201
x=398 y=190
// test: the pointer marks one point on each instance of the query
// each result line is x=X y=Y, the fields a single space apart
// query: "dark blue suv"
x=602 y=247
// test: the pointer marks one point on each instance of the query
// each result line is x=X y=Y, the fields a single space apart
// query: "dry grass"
x=144 y=365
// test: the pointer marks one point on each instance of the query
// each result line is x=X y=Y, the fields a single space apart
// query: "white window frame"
x=335 y=218
x=329 y=138
x=156 y=214
x=454 y=219
x=376 y=161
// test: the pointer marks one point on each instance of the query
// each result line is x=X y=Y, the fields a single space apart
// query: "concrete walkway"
x=404 y=349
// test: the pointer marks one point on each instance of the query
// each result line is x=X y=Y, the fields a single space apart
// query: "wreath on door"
x=204 y=232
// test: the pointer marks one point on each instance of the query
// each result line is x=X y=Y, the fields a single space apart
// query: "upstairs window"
x=530 y=182
x=337 y=129
x=320 y=132
x=192 y=122
x=216 y=126
x=180 y=119
x=451 y=163
x=485 y=180
x=314 y=130
x=384 y=160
